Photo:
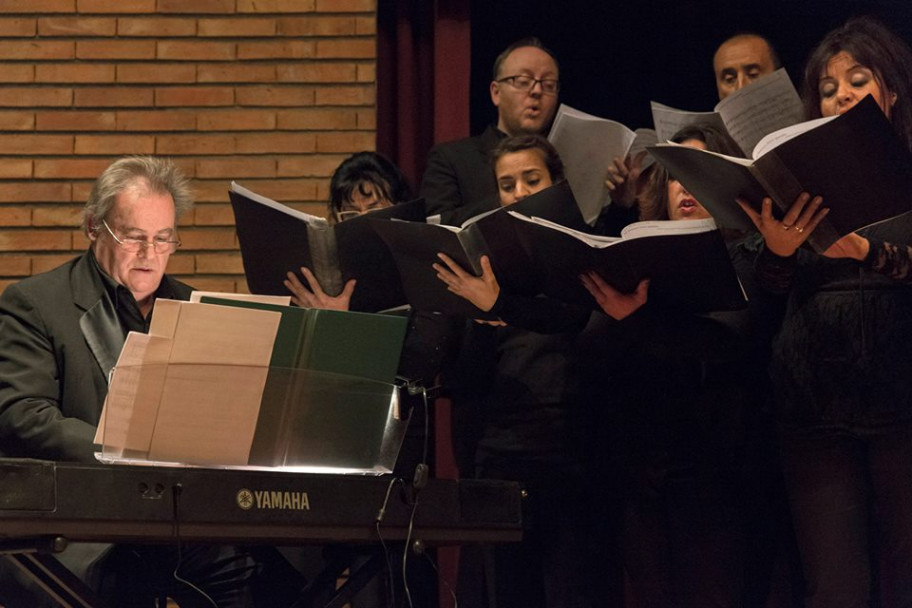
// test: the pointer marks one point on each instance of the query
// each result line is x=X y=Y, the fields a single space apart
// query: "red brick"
x=196 y=6
x=195 y=145
x=358 y=48
x=17 y=72
x=181 y=263
x=43 y=263
x=80 y=240
x=197 y=50
x=367 y=119
x=219 y=263
x=74 y=121
x=222 y=284
x=17 y=27
x=15 y=168
x=31 y=6
x=66 y=168
x=313 y=165
x=275 y=6
x=38 y=144
x=236 y=120
x=17 y=121
x=197 y=239
x=288 y=190
x=15 y=265
x=275 y=96
x=345 y=96
x=236 y=28
x=211 y=191
x=115 y=49
x=323 y=190
x=186 y=165
x=156 y=120
x=121 y=6
x=70 y=72
x=212 y=215
x=366 y=26
x=352 y=141
x=57 y=216
x=35 y=240
x=316 y=72
x=315 y=26
x=280 y=49
x=276 y=143
x=194 y=96
x=156 y=27
x=35 y=98
x=113 y=97
x=115 y=144
x=156 y=72
x=307 y=119
x=15 y=216
x=76 y=26
x=223 y=72
x=367 y=72
x=36 y=49
x=81 y=190
x=34 y=192
x=236 y=168
x=341 y=6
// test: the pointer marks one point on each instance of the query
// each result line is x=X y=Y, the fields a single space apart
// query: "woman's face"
x=520 y=174
x=365 y=198
x=845 y=82
x=681 y=205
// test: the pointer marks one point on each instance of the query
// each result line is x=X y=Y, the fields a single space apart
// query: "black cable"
x=176 y=491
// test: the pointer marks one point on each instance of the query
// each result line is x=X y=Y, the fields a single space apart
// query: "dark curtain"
x=423 y=62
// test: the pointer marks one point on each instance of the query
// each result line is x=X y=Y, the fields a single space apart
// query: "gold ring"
x=799 y=228
x=785 y=226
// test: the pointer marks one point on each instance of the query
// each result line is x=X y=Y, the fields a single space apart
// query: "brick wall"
x=271 y=93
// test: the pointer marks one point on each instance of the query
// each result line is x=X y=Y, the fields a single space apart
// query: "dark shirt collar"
x=125 y=304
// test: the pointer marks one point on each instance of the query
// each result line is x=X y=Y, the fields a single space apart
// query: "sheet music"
x=587 y=146
x=769 y=104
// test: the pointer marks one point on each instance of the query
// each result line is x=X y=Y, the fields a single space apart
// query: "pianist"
x=60 y=334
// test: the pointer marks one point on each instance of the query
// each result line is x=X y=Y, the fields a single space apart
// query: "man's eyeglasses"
x=523 y=82
x=158 y=244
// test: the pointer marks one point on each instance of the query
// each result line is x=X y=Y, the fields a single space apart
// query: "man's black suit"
x=59 y=338
x=459 y=181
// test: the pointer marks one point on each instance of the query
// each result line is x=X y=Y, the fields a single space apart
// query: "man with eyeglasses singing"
x=459 y=181
x=60 y=335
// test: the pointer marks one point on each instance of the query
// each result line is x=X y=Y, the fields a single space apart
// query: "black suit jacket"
x=459 y=181
x=57 y=345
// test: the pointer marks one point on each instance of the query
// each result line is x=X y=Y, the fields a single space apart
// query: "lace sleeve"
x=775 y=273
x=894 y=261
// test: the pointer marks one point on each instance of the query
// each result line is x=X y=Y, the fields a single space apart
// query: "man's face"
x=739 y=62
x=525 y=111
x=136 y=214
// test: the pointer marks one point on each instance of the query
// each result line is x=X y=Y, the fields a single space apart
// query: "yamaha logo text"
x=273 y=499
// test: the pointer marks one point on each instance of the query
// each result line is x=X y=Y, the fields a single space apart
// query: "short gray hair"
x=149 y=173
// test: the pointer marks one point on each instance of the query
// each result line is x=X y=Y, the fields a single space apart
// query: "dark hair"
x=654 y=203
x=774 y=56
x=372 y=168
x=876 y=47
x=518 y=143
x=521 y=43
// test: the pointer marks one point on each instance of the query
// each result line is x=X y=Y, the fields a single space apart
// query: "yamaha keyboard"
x=117 y=503
x=45 y=505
